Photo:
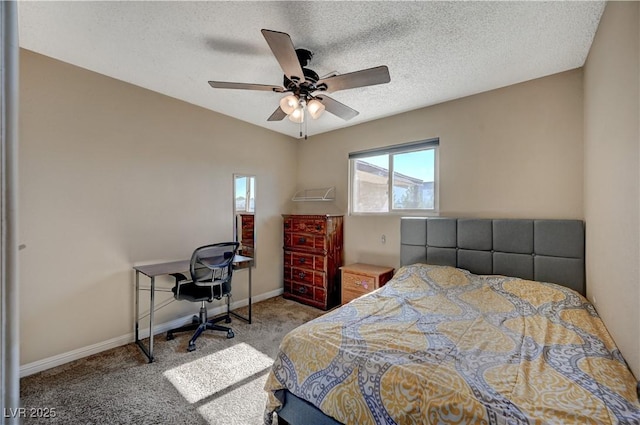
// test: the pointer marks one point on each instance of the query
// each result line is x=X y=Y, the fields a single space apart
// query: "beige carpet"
x=219 y=383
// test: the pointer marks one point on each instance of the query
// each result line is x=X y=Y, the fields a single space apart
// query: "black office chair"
x=211 y=270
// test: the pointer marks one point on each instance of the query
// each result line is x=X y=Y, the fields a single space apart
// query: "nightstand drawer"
x=355 y=282
x=354 y=286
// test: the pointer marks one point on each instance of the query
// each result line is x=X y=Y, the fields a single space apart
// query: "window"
x=400 y=178
x=244 y=196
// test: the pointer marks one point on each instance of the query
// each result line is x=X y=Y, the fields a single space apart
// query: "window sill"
x=404 y=213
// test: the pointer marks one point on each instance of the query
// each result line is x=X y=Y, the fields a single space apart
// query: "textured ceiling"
x=435 y=51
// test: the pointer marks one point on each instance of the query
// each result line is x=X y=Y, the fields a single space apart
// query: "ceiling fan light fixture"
x=316 y=108
x=289 y=103
x=297 y=115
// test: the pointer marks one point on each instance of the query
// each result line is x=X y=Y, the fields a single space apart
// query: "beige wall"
x=515 y=152
x=612 y=191
x=113 y=175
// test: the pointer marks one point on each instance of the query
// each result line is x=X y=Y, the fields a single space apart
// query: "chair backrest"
x=213 y=264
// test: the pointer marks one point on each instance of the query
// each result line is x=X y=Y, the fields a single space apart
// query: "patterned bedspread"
x=439 y=345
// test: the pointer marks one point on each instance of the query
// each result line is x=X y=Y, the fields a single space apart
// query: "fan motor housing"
x=304 y=56
x=310 y=76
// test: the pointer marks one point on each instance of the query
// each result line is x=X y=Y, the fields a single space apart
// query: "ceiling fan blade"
x=365 y=77
x=278 y=115
x=245 y=86
x=336 y=108
x=282 y=48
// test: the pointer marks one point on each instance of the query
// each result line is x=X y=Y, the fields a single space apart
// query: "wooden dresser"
x=247 y=226
x=312 y=259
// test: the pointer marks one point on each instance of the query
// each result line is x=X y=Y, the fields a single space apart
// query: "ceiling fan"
x=307 y=90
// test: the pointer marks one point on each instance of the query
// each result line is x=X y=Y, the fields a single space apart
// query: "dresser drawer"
x=298 y=290
x=309 y=294
x=307 y=225
x=305 y=276
x=304 y=241
x=304 y=260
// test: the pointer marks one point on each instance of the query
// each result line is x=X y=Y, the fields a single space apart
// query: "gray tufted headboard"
x=542 y=250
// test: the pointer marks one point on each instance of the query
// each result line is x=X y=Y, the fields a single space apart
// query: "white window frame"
x=429 y=144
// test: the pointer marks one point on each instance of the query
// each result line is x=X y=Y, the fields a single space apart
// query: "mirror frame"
x=237 y=225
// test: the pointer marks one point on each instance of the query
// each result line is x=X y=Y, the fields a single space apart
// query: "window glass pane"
x=241 y=193
x=413 y=180
x=371 y=184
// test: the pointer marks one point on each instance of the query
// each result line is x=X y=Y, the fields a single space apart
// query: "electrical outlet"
x=383 y=239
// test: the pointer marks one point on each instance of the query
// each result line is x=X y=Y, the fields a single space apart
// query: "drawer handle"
x=302 y=240
x=301 y=275
x=303 y=260
x=302 y=289
x=318 y=227
x=362 y=283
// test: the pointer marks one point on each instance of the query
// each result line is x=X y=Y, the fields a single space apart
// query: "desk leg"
x=246 y=319
x=137 y=305
x=250 y=294
x=149 y=352
x=151 y=309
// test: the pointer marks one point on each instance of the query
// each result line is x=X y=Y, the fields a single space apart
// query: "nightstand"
x=359 y=279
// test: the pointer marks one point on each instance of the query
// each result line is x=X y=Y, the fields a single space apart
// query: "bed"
x=484 y=323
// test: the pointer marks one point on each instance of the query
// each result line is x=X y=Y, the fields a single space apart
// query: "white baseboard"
x=60 y=359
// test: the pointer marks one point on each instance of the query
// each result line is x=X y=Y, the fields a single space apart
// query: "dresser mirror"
x=244 y=208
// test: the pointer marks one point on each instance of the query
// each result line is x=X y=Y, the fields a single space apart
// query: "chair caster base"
x=191 y=347
x=230 y=334
x=227 y=320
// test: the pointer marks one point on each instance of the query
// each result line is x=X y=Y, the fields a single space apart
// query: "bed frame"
x=542 y=250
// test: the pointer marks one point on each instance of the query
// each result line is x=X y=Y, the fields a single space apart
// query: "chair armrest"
x=179 y=276
x=180 y=280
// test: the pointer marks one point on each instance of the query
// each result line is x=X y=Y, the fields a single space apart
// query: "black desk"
x=152 y=270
